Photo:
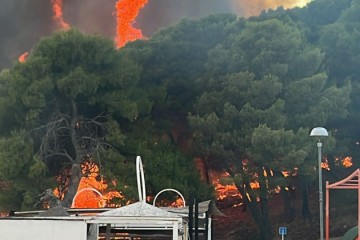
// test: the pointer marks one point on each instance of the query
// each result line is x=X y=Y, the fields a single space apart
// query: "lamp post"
x=320 y=132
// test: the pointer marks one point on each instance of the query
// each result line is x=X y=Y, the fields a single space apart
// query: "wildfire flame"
x=325 y=165
x=93 y=189
x=58 y=14
x=223 y=190
x=22 y=57
x=126 y=13
x=346 y=162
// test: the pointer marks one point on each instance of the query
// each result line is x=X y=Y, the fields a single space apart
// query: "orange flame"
x=346 y=162
x=127 y=11
x=223 y=190
x=92 y=191
x=97 y=197
x=325 y=165
x=58 y=14
x=255 y=185
x=23 y=57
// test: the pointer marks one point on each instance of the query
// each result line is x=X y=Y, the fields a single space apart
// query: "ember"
x=346 y=162
x=23 y=57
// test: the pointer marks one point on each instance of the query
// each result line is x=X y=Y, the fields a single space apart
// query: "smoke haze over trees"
x=24 y=22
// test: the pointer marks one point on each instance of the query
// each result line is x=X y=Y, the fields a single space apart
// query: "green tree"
x=59 y=108
x=254 y=116
x=77 y=99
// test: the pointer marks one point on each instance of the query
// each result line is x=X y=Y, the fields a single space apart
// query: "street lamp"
x=320 y=132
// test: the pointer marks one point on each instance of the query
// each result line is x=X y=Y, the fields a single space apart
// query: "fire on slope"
x=345 y=162
x=94 y=191
x=228 y=194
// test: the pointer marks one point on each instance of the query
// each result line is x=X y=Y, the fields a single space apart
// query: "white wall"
x=42 y=230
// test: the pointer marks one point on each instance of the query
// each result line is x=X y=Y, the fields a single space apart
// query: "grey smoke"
x=24 y=22
x=161 y=13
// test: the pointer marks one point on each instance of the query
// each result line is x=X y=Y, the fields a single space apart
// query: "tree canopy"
x=75 y=99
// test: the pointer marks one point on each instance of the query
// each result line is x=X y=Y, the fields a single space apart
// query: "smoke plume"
x=25 y=22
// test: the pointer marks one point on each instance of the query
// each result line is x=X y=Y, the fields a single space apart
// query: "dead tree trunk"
x=260 y=216
x=73 y=185
x=75 y=173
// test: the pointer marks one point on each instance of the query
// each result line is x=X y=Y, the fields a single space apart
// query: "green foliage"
x=261 y=47
x=165 y=167
x=323 y=103
x=77 y=83
x=26 y=175
x=69 y=77
x=16 y=154
x=278 y=149
x=265 y=87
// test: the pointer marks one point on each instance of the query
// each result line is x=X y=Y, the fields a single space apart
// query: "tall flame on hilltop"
x=126 y=13
x=58 y=14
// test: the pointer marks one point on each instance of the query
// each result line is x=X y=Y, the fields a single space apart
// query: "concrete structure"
x=85 y=228
x=135 y=220
x=148 y=218
x=42 y=228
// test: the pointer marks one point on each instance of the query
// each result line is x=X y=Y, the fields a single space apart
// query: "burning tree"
x=59 y=109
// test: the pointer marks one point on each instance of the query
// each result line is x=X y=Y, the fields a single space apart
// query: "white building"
x=139 y=220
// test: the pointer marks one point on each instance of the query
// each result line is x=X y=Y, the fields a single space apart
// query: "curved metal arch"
x=169 y=189
x=83 y=190
x=140 y=179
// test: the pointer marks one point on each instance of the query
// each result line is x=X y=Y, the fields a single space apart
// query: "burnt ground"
x=238 y=225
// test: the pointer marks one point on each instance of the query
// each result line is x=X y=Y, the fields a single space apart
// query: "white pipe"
x=85 y=189
x=169 y=189
x=140 y=179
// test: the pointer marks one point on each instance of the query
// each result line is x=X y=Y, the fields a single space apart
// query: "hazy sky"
x=24 y=22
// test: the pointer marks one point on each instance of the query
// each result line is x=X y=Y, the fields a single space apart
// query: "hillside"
x=238 y=225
